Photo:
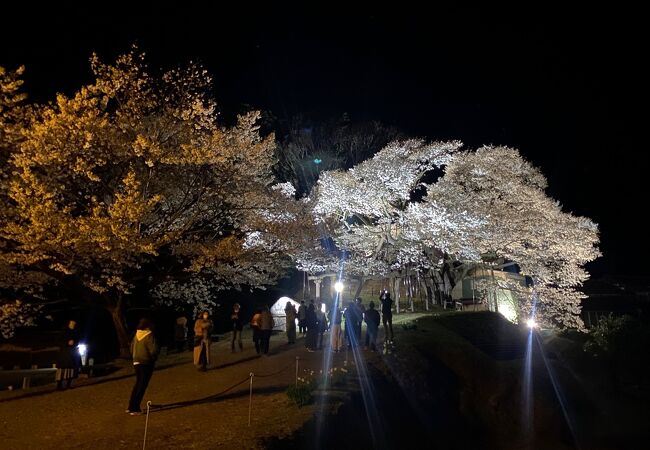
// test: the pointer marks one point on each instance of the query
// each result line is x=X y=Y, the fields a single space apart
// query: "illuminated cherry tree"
x=489 y=201
x=128 y=182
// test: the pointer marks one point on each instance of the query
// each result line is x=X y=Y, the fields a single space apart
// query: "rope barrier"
x=275 y=373
x=249 y=378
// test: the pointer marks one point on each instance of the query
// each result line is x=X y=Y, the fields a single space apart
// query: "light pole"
x=338 y=287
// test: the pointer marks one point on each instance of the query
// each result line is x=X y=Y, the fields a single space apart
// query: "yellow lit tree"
x=131 y=180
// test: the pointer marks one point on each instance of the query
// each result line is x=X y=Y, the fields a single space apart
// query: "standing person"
x=359 y=321
x=387 y=315
x=180 y=333
x=202 y=341
x=257 y=332
x=70 y=359
x=266 y=328
x=302 y=317
x=351 y=318
x=237 y=327
x=290 y=314
x=145 y=352
x=335 y=330
x=372 y=325
x=322 y=326
x=311 y=323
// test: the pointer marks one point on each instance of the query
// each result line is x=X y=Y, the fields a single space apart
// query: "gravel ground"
x=194 y=411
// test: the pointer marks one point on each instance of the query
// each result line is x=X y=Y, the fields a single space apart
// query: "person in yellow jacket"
x=145 y=352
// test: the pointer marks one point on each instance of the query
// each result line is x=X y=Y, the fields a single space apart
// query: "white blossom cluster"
x=198 y=293
x=488 y=201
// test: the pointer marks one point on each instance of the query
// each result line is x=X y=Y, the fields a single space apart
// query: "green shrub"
x=301 y=394
x=338 y=376
x=609 y=335
x=410 y=325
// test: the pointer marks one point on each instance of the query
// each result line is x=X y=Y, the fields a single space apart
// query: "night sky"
x=561 y=86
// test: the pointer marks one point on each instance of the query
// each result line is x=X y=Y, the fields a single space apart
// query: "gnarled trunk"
x=396 y=290
x=117 y=314
x=359 y=287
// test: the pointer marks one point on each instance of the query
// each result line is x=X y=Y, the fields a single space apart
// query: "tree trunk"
x=117 y=314
x=359 y=287
x=396 y=290
x=409 y=278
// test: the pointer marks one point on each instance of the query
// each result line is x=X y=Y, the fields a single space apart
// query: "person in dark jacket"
x=321 y=318
x=145 y=352
x=69 y=361
x=302 y=317
x=387 y=315
x=351 y=318
x=266 y=328
x=180 y=333
x=372 y=325
x=360 y=312
x=290 y=322
x=237 y=327
x=311 y=322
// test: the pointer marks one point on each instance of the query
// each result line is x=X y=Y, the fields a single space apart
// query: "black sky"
x=563 y=86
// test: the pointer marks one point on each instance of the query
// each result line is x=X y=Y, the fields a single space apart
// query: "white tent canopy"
x=277 y=311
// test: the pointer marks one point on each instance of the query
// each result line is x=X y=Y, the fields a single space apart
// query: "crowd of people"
x=344 y=325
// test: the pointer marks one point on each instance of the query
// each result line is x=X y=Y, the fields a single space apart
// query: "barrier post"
x=146 y=424
x=250 y=398
x=297 y=358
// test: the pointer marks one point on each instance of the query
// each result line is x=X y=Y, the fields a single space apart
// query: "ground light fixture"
x=83 y=352
x=531 y=323
x=338 y=286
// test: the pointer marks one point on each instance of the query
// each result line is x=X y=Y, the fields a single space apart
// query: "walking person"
x=336 y=336
x=145 y=352
x=290 y=322
x=266 y=328
x=371 y=317
x=180 y=333
x=237 y=327
x=70 y=360
x=387 y=315
x=202 y=340
x=257 y=331
x=302 y=317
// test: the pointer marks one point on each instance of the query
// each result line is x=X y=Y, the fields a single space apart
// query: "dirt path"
x=194 y=409
x=195 y=412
